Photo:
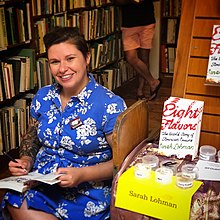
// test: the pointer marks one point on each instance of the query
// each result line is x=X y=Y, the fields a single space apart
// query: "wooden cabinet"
x=197 y=20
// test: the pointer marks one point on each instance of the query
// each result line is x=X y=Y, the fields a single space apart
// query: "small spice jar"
x=207 y=152
x=142 y=170
x=184 y=180
x=151 y=160
x=190 y=170
x=163 y=175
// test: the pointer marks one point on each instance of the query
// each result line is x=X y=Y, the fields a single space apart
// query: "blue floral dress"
x=74 y=137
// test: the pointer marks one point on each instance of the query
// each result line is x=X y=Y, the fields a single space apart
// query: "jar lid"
x=207 y=150
x=150 y=160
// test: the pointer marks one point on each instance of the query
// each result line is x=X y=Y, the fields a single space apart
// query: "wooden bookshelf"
x=23 y=62
x=170 y=19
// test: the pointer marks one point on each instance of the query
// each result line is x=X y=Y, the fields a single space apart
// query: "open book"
x=24 y=182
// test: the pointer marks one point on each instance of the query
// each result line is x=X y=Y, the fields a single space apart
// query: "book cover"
x=5 y=132
x=22 y=106
x=24 y=182
x=22 y=87
x=9 y=68
x=6 y=81
x=28 y=11
x=28 y=75
x=18 y=124
x=1 y=139
x=11 y=126
x=2 y=89
x=180 y=127
x=3 y=30
x=12 y=20
x=24 y=22
x=213 y=71
x=16 y=66
x=26 y=52
x=98 y=55
x=1 y=93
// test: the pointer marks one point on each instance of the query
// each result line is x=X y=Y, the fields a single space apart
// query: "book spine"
x=3 y=31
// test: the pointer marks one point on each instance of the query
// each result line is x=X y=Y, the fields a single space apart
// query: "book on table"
x=24 y=182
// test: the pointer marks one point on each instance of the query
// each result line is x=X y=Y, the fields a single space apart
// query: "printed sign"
x=213 y=72
x=180 y=127
x=146 y=196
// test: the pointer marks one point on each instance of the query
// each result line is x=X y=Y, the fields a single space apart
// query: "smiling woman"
x=71 y=133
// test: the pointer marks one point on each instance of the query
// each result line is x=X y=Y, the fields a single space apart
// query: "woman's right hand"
x=21 y=167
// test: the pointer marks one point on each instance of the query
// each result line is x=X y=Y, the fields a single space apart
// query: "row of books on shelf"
x=93 y=24
x=169 y=30
x=22 y=72
x=15 y=24
x=168 y=56
x=44 y=7
x=104 y=52
x=171 y=7
x=14 y=120
x=113 y=78
x=17 y=74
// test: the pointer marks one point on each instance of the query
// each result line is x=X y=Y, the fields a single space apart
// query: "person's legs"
x=24 y=213
x=138 y=57
x=140 y=67
x=144 y=55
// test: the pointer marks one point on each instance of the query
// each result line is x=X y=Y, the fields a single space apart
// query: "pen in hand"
x=12 y=159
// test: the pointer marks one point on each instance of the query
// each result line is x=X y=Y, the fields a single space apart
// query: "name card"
x=180 y=127
x=146 y=196
x=208 y=170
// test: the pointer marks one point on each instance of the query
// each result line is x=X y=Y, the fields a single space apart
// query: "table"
x=205 y=203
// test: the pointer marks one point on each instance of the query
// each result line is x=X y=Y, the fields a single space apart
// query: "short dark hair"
x=66 y=34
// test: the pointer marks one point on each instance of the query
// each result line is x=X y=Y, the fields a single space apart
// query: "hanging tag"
x=76 y=122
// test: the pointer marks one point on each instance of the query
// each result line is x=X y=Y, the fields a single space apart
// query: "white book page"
x=19 y=183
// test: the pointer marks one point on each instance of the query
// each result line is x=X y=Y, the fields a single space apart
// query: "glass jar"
x=151 y=160
x=207 y=152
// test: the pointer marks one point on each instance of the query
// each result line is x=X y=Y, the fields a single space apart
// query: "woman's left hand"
x=71 y=176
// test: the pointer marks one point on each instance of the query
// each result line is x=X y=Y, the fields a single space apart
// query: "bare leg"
x=24 y=213
x=141 y=65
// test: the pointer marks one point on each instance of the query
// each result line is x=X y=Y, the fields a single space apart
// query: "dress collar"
x=83 y=96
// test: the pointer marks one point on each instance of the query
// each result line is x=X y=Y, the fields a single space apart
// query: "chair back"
x=130 y=129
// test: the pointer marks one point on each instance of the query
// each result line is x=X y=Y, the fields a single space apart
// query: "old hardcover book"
x=12 y=26
x=3 y=30
x=22 y=106
x=5 y=128
x=1 y=85
x=16 y=66
x=1 y=135
x=11 y=79
x=30 y=54
x=11 y=126
x=23 y=75
x=6 y=79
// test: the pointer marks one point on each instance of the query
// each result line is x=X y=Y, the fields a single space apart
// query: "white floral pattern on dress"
x=64 y=146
